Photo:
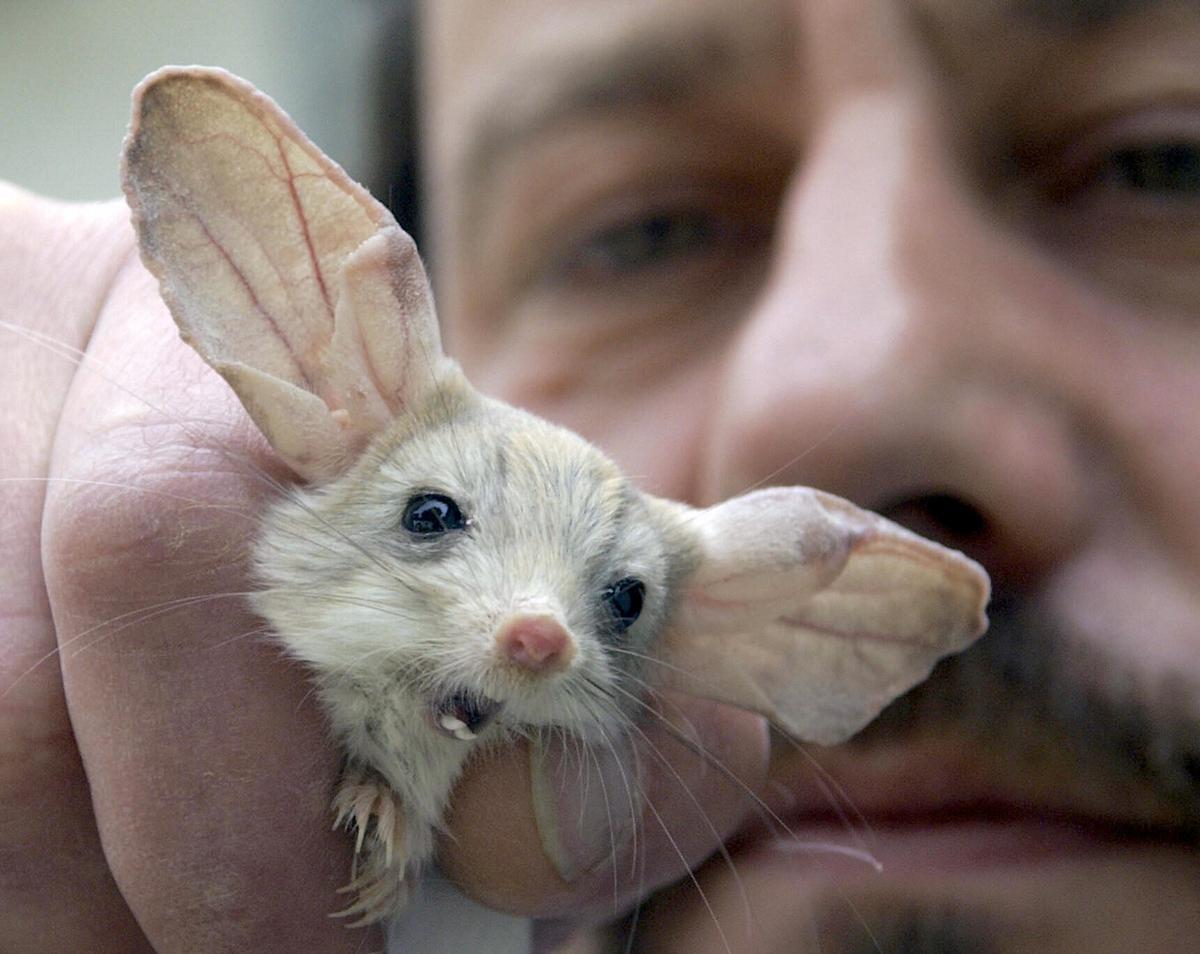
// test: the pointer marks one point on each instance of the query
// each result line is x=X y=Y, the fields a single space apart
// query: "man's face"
x=941 y=257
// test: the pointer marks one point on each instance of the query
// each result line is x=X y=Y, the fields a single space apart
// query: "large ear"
x=811 y=611
x=281 y=271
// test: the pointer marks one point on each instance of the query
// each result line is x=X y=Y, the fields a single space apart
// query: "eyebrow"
x=643 y=69
x=668 y=66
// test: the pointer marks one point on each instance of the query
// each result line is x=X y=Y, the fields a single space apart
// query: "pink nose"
x=537 y=643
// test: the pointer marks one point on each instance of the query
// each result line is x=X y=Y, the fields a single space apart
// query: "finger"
x=584 y=833
x=55 y=889
x=208 y=762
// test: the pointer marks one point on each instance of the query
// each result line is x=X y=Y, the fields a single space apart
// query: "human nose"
x=900 y=354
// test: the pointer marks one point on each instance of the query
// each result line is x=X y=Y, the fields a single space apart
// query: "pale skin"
x=298 y=288
x=901 y=315
x=956 y=303
x=248 y=868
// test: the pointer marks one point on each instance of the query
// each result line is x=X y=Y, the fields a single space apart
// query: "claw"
x=355 y=883
x=374 y=904
x=341 y=808
x=363 y=804
x=385 y=829
x=367 y=804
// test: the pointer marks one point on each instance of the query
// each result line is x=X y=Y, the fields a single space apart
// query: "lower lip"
x=994 y=883
x=931 y=845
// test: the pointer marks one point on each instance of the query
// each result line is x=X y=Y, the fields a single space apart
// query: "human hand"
x=205 y=811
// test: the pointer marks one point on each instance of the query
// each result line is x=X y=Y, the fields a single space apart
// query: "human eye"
x=648 y=242
x=1164 y=169
x=1118 y=196
x=651 y=239
x=1144 y=164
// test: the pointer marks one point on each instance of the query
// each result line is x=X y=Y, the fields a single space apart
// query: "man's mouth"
x=955 y=808
x=463 y=715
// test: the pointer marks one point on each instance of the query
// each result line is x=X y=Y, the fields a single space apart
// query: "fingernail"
x=587 y=800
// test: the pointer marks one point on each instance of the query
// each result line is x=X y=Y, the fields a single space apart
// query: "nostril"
x=942 y=516
x=954 y=515
x=537 y=643
x=1015 y=547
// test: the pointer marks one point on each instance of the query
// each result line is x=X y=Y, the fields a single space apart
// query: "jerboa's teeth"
x=451 y=723
x=463 y=733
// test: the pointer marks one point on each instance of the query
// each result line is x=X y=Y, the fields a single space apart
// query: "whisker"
x=600 y=721
x=257 y=631
x=150 y=491
x=837 y=796
x=612 y=836
x=839 y=425
x=855 y=409
x=798 y=845
x=692 y=877
x=722 y=849
x=694 y=678
x=135 y=617
x=683 y=785
x=338 y=533
x=768 y=813
x=200 y=439
x=130 y=618
x=650 y=688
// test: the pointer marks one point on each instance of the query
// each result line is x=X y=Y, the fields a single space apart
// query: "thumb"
x=582 y=831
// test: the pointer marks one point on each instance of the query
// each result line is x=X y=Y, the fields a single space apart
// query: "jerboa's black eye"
x=430 y=514
x=624 y=600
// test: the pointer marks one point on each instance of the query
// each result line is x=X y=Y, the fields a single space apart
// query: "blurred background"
x=67 y=68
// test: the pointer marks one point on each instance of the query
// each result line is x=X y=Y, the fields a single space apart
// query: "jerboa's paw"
x=366 y=804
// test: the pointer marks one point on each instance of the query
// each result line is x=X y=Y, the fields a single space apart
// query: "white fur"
x=388 y=623
x=299 y=288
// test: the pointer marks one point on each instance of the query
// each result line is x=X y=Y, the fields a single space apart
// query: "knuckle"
x=150 y=508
